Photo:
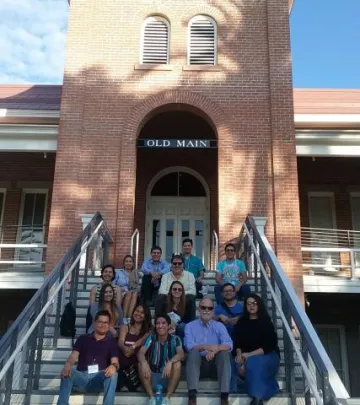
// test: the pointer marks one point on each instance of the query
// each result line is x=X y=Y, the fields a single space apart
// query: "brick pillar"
x=283 y=148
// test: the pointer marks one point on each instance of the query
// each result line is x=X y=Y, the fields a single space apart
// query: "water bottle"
x=159 y=394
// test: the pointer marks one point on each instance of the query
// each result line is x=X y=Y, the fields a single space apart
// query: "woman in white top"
x=128 y=280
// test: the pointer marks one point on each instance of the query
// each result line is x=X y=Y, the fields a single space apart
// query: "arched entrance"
x=178 y=208
x=176 y=180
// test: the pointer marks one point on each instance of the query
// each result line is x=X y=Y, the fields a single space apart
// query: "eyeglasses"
x=177 y=263
x=177 y=289
x=102 y=322
x=230 y=250
x=252 y=303
x=205 y=308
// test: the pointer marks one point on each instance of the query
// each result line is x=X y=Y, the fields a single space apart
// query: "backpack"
x=67 y=323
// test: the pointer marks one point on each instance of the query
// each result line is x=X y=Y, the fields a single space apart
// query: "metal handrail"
x=215 y=243
x=291 y=311
x=135 y=236
x=26 y=334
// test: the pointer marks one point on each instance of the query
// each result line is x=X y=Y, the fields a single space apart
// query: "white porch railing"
x=331 y=250
x=22 y=245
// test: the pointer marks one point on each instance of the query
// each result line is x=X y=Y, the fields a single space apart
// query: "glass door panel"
x=199 y=238
x=170 y=240
x=321 y=215
x=31 y=225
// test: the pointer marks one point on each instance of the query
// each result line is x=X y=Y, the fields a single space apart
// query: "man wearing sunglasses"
x=186 y=278
x=233 y=271
x=208 y=344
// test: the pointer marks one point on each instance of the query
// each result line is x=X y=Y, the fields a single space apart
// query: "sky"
x=325 y=41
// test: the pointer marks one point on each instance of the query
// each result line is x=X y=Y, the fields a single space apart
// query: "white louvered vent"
x=202 y=41
x=155 y=46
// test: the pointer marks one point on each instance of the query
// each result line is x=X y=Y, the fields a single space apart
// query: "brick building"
x=179 y=119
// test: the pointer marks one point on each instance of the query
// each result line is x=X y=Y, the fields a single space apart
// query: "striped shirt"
x=159 y=353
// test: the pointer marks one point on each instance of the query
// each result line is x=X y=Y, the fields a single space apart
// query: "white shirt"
x=187 y=279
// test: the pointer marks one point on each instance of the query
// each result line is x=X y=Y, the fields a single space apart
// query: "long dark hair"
x=112 y=302
x=170 y=300
x=146 y=325
x=262 y=313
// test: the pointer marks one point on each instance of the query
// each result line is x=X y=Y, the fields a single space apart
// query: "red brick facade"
x=107 y=98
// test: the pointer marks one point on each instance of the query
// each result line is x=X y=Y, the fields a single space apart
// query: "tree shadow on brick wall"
x=96 y=147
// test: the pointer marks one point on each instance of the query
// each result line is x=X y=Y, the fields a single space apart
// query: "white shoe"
x=165 y=401
x=204 y=290
x=152 y=401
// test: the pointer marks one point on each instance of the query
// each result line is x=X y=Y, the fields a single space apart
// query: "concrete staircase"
x=53 y=359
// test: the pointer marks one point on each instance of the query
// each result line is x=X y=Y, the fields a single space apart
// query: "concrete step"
x=50 y=398
x=50 y=369
x=61 y=354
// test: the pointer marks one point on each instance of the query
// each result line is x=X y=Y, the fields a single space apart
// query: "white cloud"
x=32 y=40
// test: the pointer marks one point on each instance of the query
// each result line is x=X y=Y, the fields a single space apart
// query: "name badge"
x=94 y=368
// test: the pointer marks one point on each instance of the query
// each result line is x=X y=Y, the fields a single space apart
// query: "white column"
x=85 y=219
x=260 y=223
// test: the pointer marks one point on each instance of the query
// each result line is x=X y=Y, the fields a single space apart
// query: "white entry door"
x=170 y=220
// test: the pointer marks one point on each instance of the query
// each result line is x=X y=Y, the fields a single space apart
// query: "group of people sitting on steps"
x=124 y=350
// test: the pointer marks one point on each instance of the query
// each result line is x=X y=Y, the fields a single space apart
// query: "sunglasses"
x=177 y=289
x=229 y=250
x=177 y=263
x=205 y=308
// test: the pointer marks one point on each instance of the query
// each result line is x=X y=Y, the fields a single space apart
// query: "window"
x=202 y=41
x=155 y=41
x=178 y=184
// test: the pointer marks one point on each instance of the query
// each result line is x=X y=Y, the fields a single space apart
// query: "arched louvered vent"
x=202 y=41
x=155 y=41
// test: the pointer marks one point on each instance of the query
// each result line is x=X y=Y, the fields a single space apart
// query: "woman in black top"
x=175 y=306
x=257 y=353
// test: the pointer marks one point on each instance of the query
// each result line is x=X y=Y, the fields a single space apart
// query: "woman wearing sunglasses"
x=175 y=307
x=257 y=352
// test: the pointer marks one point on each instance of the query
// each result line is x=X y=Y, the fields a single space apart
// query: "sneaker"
x=152 y=401
x=165 y=401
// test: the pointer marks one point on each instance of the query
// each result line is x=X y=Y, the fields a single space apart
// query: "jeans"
x=148 y=288
x=81 y=381
x=243 y=293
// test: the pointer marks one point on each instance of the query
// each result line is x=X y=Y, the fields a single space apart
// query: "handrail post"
x=305 y=353
x=353 y=265
x=288 y=354
x=135 y=237
x=215 y=243
x=87 y=259
x=10 y=373
x=58 y=307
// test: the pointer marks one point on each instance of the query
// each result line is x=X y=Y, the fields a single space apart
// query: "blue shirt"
x=214 y=333
x=231 y=270
x=149 y=266
x=236 y=310
x=193 y=264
